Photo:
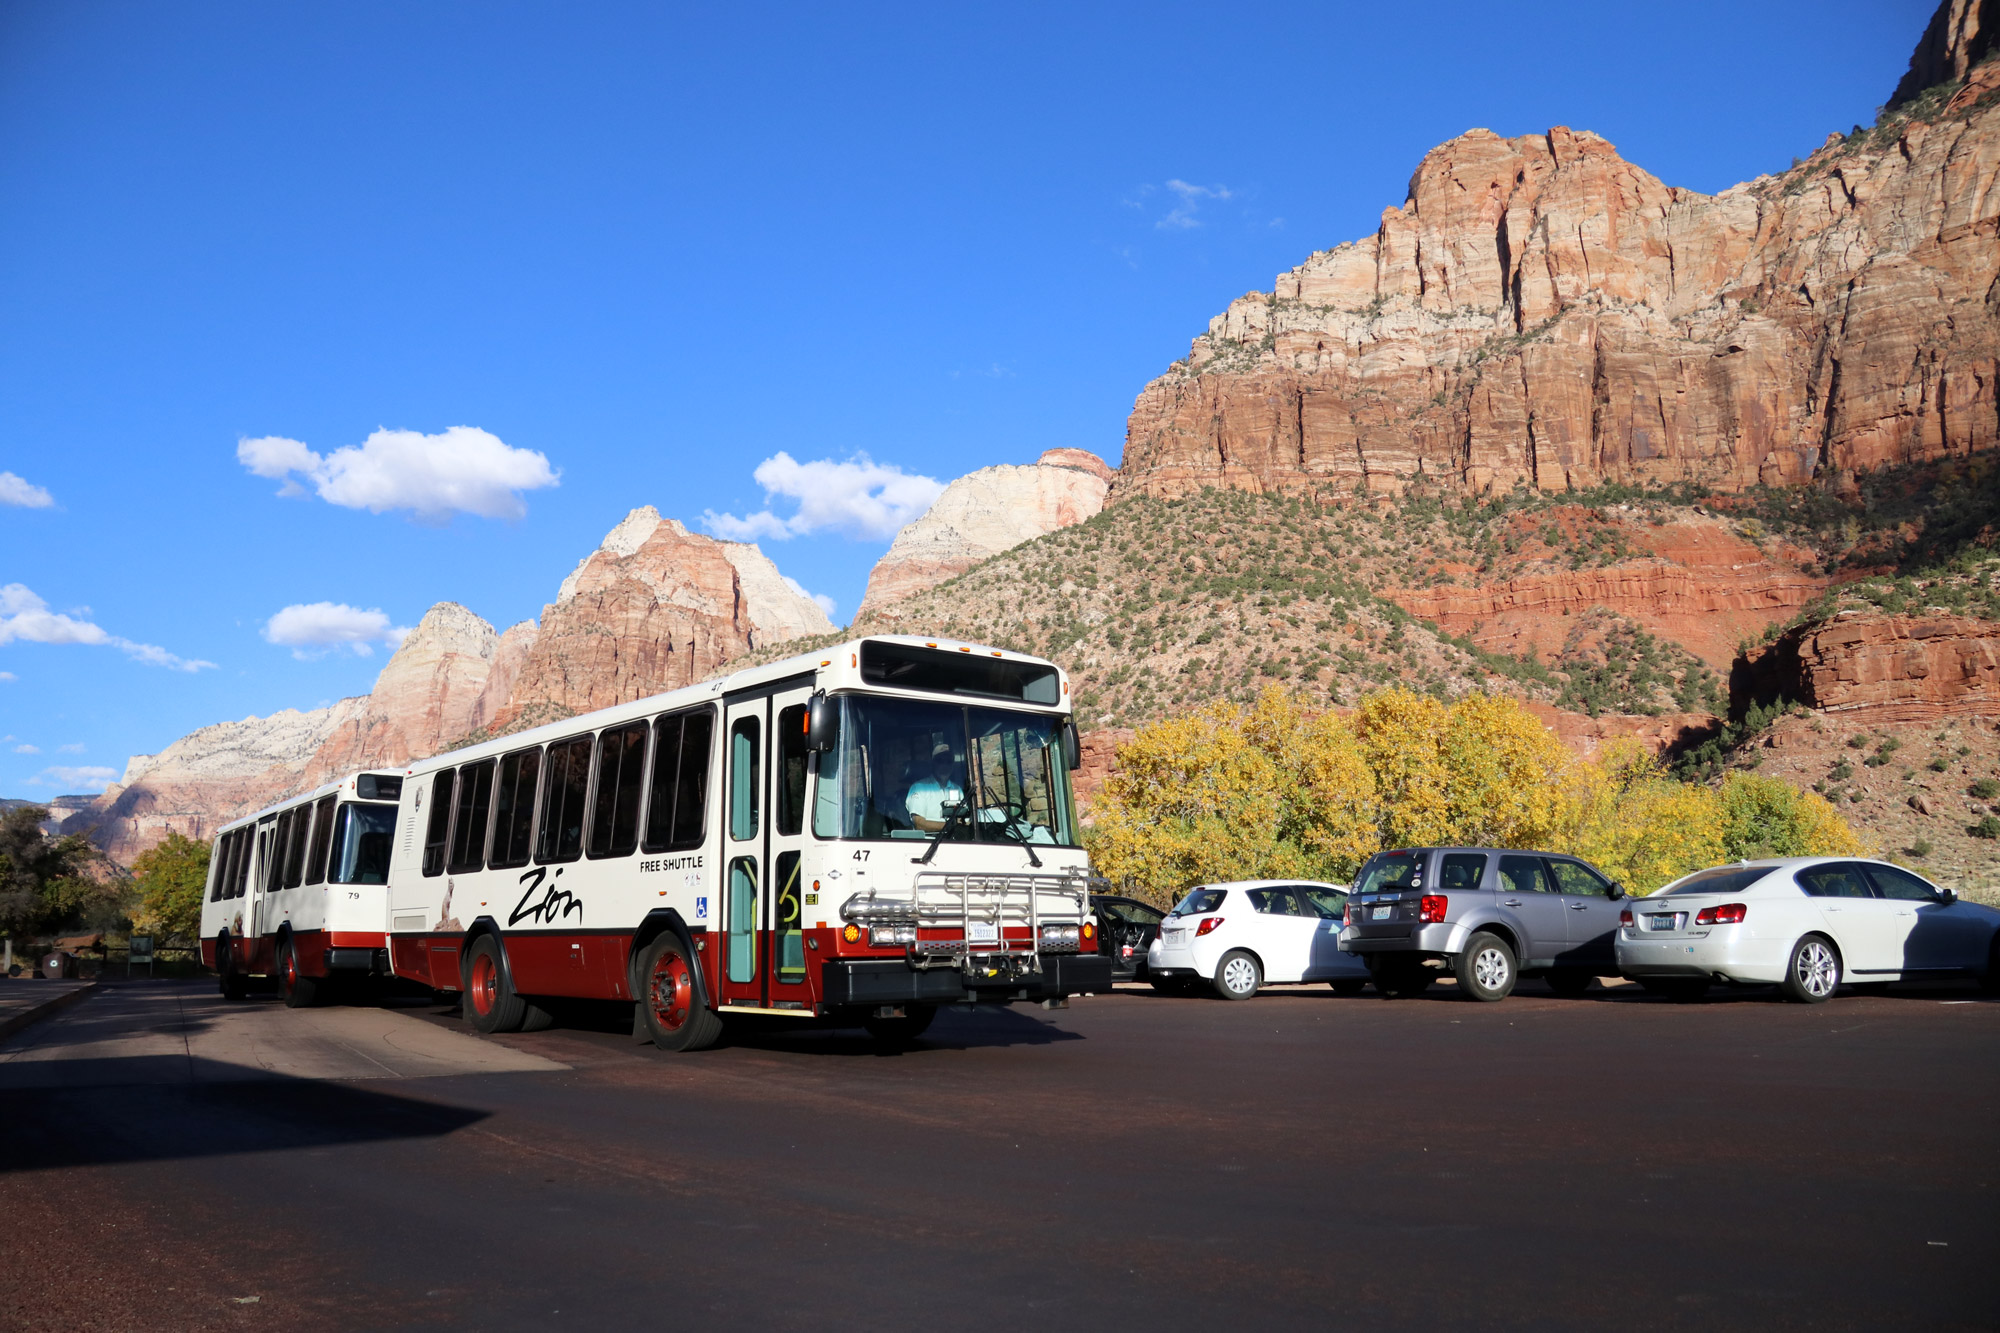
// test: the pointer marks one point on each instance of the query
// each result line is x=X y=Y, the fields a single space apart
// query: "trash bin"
x=57 y=965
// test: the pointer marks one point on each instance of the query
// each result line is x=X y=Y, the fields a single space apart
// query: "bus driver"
x=929 y=798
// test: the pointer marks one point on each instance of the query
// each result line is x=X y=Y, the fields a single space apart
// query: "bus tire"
x=671 y=1004
x=491 y=1004
x=300 y=991
x=234 y=985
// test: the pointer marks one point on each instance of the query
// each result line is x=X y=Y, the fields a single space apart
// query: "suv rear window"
x=1723 y=879
x=1389 y=870
x=1201 y=900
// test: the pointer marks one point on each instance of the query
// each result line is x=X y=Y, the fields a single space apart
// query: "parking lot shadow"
x=156 y=1108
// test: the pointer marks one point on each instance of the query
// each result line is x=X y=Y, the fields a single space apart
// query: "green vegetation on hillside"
x=1157 y=606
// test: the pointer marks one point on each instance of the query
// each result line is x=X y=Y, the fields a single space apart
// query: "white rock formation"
x=982 y=514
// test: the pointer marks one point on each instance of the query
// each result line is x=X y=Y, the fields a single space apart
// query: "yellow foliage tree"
x=1482 y=771
x=1229 y=793
x=1637 y=824
x=1279 y=791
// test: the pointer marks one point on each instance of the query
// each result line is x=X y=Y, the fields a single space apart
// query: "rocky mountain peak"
x=1962 y=35
x=984 y=513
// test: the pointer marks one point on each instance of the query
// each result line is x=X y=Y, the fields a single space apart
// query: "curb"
x=9 y=1026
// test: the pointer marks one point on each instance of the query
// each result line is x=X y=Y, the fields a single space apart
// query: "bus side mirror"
x=1072 y=751
x=822 y=724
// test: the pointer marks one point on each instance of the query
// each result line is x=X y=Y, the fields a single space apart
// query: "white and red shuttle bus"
x=856 y=835
x=299 y=890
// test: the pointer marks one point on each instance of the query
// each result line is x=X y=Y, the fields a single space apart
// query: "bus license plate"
x=1381 y=914
x=982 y=932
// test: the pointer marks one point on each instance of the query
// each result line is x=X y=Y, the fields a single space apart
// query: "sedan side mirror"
x=1617 y=892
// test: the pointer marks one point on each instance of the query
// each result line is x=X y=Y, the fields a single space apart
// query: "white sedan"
x=1805 y=925
x=1243 y=935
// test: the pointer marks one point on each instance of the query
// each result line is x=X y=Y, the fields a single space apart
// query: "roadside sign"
x=139 y=951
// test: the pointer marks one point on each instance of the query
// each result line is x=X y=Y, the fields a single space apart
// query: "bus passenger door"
x=763 y=958
x=786 y=984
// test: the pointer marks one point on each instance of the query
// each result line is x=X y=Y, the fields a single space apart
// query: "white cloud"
x=857 y=498
x=8 y=676
x=26 y=617
x=314 y=629
x=78 y=748
x=459 y=470
x=90 y=778
x=27 y=749
x=1182 y=215
x=25 y=494
x=818 y=599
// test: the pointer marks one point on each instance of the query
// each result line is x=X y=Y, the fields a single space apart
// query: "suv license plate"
x=1381 y=914
x=982 y=932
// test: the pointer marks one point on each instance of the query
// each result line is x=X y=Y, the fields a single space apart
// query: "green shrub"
x=1987 y=827
x=1985 y=789
x=1921 y=847
x=1940 y=764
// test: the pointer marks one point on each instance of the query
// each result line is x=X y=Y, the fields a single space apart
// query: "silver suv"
x=1486 y=915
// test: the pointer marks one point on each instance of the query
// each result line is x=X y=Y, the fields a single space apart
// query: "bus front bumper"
x=892 y=981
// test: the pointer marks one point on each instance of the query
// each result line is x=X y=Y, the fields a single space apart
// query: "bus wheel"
x=490 y=1003
x=235 y=986
x=670 y=1003
x=902 y=1031
x=300 y=992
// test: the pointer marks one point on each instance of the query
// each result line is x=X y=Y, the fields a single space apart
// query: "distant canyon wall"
x=654 y=607
x=1541 y=312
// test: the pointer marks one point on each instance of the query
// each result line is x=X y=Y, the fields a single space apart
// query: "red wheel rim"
x=485 y=983
x=291 y=971
x=670 y=990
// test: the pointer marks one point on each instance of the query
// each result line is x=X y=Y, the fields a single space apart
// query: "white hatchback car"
x=1805 y=924
x=1250 y=933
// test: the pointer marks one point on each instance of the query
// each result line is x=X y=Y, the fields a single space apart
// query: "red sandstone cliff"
x=1541 y=312
x=620 y=628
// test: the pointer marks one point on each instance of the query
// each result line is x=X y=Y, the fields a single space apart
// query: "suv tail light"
x=1347 y=914
x=1728 y=914
x=1208 y=923
x=1431 y=908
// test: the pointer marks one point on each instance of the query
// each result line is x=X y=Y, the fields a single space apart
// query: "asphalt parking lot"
x=1300 y=1160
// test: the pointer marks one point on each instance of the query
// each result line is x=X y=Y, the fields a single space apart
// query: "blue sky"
x=658 y=246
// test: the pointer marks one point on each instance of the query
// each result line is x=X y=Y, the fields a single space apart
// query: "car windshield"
x=907 y=768
x=1723 y=879
x=361 y=838
x=1389 y=870
x=1201 y=900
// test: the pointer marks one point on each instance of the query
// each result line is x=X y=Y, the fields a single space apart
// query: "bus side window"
x=791 y=812
x=562 y=804
x=514 y=809
x=468 y=825
x=743 y=752
x=439 y=829
x=246 y=840
x=274 y=853
x=691 y=806
x=295 y=850
x=218 y=861
x=322 y=840
x=621 y=764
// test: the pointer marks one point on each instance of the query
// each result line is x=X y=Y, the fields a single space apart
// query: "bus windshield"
x=907 y=768
x=361 y=838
